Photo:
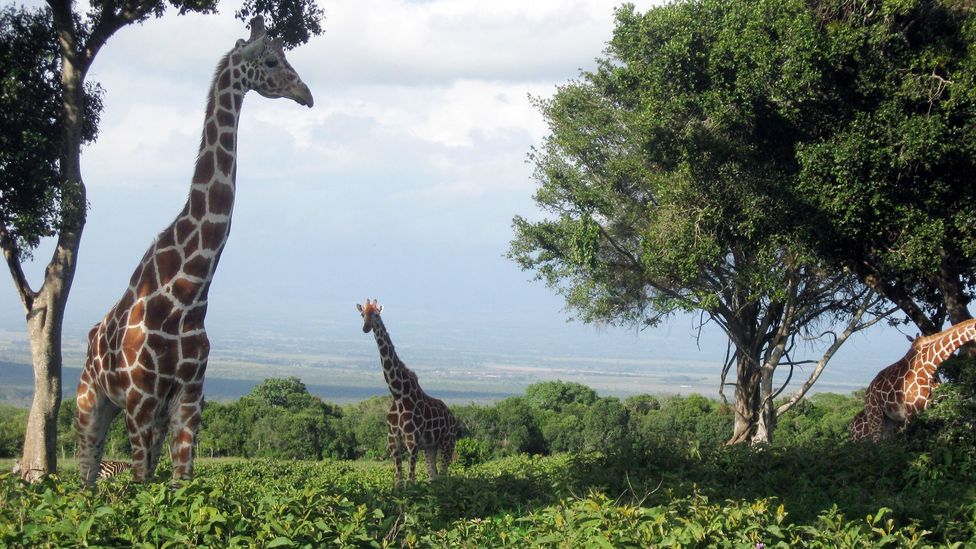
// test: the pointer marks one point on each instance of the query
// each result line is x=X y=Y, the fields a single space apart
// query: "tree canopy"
x=670 y=180
x=890 y=183
x=31 y=119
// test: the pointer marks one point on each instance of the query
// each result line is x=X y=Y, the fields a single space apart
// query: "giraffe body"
x=148 y=356
x=416 y=421
x=902 y=390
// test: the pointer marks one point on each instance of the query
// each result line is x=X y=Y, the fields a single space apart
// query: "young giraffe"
x=148 y=356
x=899 y=392
x=416 y=420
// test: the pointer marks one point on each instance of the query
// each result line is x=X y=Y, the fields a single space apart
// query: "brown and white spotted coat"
x=148 y=356
x=899 y=392
x=416 y=421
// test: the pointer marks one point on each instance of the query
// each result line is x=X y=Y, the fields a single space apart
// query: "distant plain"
x=341 y=365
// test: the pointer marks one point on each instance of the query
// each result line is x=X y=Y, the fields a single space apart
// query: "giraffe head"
x=264 y=69
x=369 y=311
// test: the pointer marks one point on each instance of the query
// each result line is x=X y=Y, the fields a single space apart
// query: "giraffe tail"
x=463 y=429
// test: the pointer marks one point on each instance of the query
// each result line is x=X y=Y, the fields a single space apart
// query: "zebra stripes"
x=107 y=469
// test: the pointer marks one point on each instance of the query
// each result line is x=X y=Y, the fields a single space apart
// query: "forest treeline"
x=281 y=419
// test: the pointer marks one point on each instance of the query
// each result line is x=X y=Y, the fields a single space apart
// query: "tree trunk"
x=40 y=440
x=45 y=312
x=765 y=413
x=747 y=398
x=44 y=329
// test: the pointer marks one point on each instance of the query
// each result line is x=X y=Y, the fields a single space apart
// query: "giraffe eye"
x=271 y=63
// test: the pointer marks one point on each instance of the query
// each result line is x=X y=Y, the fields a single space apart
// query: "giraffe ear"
x=359 y=307
x=379 y=309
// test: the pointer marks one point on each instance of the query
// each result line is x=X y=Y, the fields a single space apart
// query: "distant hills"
x=17 y=387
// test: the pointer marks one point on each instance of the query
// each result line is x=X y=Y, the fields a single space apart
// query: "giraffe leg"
x=157 y=435
x=140 y=425
x=393 y=447
x=412 y=465
x=95 y=415
x=873 y=423
x=430 y=456
x=184 y=423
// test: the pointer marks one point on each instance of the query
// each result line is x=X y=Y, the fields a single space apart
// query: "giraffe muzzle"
x=302 y=95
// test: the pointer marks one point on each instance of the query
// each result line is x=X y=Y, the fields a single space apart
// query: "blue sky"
x=400 y=184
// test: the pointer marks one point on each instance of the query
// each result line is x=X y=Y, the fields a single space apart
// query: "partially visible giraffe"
x=148 y=356
x=416 y=420
x=899 y=392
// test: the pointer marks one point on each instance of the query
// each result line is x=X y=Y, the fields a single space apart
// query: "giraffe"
x=899 y=392
x=416 y=420
x=148 y=355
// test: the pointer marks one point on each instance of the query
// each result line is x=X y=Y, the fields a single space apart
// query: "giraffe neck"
x=399 y=378
x=943 y=344
x=184 y=257
x=211 y=200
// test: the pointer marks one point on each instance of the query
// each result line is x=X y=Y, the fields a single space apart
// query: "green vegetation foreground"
x=814 y=497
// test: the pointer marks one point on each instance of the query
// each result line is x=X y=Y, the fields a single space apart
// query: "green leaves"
x=515 y=502
x=31 y=193
x=294 y=22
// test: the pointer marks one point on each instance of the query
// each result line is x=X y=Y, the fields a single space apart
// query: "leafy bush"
x=471 y=451
x=13 y=422
x=568 y=500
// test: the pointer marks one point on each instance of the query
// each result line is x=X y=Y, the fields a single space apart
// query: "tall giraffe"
x=899 y=392
x=148 y=356
x=416 y=420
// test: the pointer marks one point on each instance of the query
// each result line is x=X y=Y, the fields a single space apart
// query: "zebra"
x=108 y=469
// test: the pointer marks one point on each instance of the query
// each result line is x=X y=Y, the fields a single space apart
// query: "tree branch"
x=11 y=254
x=852 y=326
x=112 y=18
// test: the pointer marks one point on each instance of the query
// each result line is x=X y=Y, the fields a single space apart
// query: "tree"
x=517 y=430
x=365 y=423
x=34 y=201
x=223 y=431
x=288 y=393
x=891 y=184
x=288 y=434
x=605 y=426
x=670 y=179
x=79 y=38
x=555 y=395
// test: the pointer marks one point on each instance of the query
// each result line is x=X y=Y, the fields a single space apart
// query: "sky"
x=399 y=184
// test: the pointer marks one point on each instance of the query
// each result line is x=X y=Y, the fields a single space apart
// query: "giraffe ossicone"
x=898 y=393
x=148 y=356
x=416 y=421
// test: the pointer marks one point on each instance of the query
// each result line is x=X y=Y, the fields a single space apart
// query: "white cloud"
x=430 y=77
x=419 y=43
